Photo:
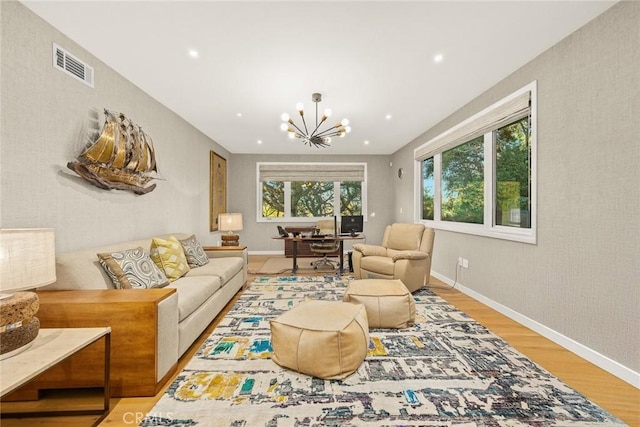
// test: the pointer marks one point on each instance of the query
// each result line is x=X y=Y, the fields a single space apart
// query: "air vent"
x=64 y=61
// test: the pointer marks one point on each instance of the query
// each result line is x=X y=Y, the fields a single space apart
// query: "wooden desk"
x=327 y=238
x=50 y=347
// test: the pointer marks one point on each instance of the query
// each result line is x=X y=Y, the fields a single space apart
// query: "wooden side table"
x=51 y=347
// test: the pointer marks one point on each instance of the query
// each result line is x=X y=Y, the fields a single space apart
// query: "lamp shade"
x=27 y=258
x=230 y=221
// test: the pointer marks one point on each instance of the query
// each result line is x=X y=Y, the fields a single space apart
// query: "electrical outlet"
x=460 y=261
x=465 y=263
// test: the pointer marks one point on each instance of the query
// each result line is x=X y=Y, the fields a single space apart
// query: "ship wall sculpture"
x=121 y=158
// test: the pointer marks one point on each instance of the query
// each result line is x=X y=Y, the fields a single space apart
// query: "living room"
x=577 y=284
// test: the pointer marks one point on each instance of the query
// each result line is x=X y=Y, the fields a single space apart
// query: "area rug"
x=447 y=370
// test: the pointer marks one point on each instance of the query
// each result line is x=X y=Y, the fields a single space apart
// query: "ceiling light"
x=193 y=53
x=366 y=142
x=259 y=141
x=239 y=114
x=438 y=58
x=316 y=138
x=388 y=117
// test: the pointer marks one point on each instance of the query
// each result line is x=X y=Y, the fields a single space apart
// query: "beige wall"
x=582 y=279
x=43 y=113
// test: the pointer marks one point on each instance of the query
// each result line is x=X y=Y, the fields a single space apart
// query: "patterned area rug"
x=447 y=370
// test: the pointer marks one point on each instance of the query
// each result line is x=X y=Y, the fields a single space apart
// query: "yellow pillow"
x=169 y=256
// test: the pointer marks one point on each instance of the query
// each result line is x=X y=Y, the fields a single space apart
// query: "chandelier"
x=316 y=138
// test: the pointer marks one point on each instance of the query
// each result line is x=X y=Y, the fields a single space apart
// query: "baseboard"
x=614 y=368
x=270 y=253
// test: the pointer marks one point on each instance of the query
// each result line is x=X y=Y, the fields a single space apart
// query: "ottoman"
x=388 y=302
x=324 y=339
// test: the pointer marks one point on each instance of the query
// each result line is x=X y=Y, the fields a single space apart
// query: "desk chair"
x=325 y=247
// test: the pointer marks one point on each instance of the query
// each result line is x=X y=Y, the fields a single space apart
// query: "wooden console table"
x=51 y=347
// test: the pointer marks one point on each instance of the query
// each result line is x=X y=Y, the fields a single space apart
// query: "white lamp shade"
x=27 y=258
x=230 y=221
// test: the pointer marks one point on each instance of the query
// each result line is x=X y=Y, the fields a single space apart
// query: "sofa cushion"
x=225 y=268
x=169 y=256
x=193 y=292
x=132 y=268
x=196 y=256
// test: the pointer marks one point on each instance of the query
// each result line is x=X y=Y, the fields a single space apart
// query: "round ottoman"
x=388 y=302
x=324 y=339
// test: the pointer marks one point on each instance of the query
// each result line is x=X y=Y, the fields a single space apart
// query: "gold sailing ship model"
x=121 y=158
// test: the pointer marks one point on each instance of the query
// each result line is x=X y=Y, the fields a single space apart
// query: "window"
x=462 y=185
x=479 y=176
x=309 y=191
x=513 y=177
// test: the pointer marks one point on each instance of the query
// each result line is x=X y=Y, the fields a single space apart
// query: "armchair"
x=405 y=254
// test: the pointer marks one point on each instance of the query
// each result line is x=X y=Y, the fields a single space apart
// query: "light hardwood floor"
x=616 y=396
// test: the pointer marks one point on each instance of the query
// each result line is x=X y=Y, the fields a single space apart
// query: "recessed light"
x=239 y=114
x=259 y=141
x=388 y=117
x=438 y=58
x=193 y=53
x=366 y=142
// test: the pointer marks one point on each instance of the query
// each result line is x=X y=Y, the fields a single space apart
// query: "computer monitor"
x=350 y=224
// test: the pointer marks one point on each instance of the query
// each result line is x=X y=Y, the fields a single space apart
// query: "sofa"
x=151 y=328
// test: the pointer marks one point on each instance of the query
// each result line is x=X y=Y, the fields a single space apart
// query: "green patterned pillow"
x=196 y=256
x=169 y=256
x=132 y=269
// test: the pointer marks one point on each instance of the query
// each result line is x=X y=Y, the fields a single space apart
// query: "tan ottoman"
x=325 y=339
x=388 y=302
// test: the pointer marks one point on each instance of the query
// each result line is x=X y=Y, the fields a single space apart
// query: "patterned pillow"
x=169 y=256
x=132 y=269
x=196 y=257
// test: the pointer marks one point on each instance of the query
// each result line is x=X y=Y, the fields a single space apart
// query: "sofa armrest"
x=140 y=331
x=230 y=251
x=370 y=250
x=409 y=255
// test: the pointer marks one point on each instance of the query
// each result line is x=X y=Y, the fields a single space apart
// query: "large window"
x=308 y=191
x=479 y=177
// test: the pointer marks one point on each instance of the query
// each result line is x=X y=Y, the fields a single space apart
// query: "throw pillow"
x=196 y=256
x=132 y=269
x=169 y=256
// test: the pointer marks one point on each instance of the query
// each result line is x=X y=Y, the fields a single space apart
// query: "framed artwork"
x=218 y=189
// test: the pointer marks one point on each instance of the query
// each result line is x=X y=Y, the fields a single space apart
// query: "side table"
x=51 y=347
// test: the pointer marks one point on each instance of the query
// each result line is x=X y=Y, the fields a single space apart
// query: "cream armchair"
x=405 y=254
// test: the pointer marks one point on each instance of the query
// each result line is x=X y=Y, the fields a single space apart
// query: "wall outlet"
x=463 y=262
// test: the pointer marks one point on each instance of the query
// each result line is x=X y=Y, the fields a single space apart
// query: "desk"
x=50 y=347
x=295 y=241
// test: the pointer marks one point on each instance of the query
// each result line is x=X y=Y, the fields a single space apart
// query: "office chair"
x=325 y=246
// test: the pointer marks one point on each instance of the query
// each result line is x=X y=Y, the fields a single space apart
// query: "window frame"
x=287 y=193
x=489 y=228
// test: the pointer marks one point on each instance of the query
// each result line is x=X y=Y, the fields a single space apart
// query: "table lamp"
x=230 y=222
x=27 y=261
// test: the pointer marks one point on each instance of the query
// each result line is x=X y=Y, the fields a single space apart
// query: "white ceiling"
x=367 y=58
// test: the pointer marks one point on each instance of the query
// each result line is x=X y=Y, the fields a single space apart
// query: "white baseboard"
x=271 y=253
x=614 y=368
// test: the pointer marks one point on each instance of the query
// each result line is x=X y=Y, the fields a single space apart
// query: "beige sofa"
x=151 y=328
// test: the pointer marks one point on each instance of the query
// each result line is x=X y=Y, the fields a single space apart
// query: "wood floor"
x=616 y=396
